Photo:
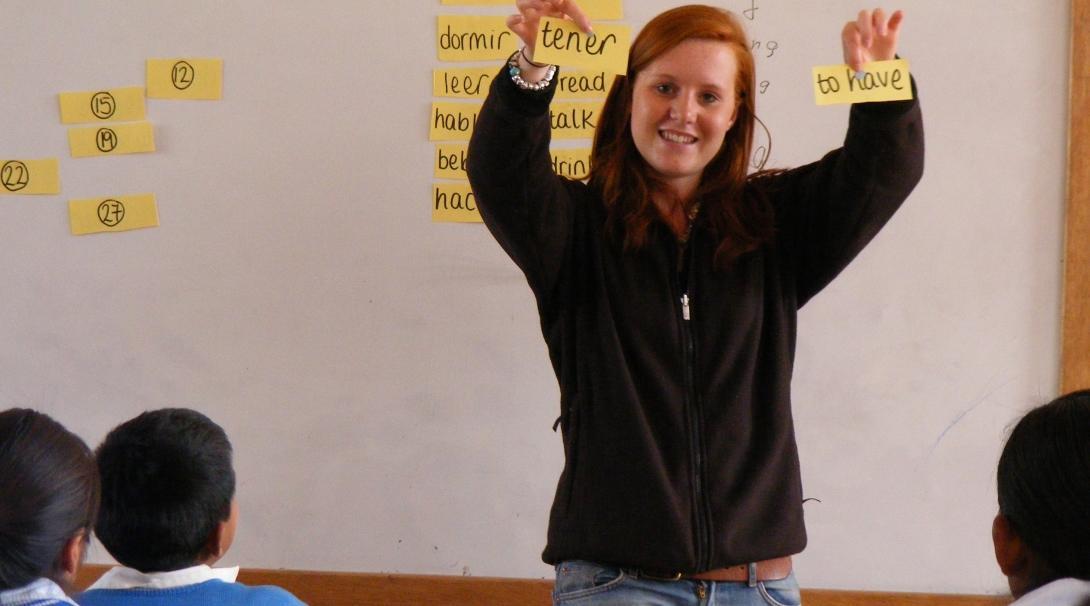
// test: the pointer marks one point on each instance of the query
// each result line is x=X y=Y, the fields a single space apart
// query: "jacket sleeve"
x=827 y=211
x=526 y=206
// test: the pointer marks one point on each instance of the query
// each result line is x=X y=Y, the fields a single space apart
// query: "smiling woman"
x=668 y=286
x=683 y=105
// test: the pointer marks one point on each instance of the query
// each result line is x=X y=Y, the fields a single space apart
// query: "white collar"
x=1056 y=593
x=42 y=589
x=121 y=577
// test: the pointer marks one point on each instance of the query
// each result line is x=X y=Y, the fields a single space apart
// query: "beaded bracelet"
x=516 y=74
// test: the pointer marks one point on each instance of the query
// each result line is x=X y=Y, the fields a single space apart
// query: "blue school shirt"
x=42 y=592
x=210 y=592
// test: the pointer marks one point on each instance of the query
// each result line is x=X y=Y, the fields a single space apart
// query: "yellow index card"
x=453 y=121
x=573 y=163
x=474 y=38
x=450 y=161
x=561 y=42
x=881 y=81
x=30 y=177
x=603 y=9
x=184 y=78
x=118 y=213
x=594 y=9
x=124 y=138
x=584 y=84
x=466 y=83
x=574 y=119
x=115 y=105
x=454 y=203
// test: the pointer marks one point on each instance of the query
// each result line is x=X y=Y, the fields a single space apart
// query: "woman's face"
x=683 y=104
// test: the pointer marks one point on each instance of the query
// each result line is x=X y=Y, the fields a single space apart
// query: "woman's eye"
x=709 y=98
x=664 y=88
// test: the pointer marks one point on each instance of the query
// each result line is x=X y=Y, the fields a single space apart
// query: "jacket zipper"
x=692 y=405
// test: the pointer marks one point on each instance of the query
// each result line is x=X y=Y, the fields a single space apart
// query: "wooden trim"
x=362 y=589
x=1075 y=362
x=831 y=597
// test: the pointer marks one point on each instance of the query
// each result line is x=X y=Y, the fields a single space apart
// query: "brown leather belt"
x=766 y=570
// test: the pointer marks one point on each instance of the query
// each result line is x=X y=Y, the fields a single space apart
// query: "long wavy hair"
x=627 y=183
x=49 y=493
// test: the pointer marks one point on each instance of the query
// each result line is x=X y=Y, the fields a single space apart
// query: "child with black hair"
x=48 y=499
x=169 y=513
x=1042 y=532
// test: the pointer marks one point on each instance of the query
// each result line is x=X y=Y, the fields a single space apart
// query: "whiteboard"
x=383 y=378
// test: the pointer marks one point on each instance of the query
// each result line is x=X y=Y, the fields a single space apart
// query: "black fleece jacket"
x=680 y=451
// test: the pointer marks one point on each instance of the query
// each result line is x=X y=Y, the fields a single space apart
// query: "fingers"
x=895 y=22
x=871 y=37
x=572 y=10
x=878 y=23
x=866 y=28
x=525 y=23
x=886 y=31
x=852 y=41
x=517 y=24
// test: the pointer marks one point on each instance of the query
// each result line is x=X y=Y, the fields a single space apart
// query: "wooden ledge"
x=370 y=589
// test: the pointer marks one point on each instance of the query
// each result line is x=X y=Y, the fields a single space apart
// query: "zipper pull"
x=685 y=306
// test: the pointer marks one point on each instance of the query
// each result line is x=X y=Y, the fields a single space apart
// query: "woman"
x=668 y=287
x=50 y=492
x=1042 y=531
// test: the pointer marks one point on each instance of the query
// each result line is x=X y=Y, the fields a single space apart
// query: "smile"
x=674 y=137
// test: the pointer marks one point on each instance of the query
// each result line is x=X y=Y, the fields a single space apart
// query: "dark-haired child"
x=48 y=499
x=168 y=513
x=1042 y=532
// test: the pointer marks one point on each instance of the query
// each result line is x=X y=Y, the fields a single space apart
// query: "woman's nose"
x=682 y=109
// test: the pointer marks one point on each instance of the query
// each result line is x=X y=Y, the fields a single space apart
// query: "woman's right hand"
x=871 y=37
x=527 y=22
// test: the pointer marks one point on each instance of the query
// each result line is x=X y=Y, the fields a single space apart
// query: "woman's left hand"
x=871 y=37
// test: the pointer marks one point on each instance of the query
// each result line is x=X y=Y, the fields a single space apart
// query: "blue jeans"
x=580 y=583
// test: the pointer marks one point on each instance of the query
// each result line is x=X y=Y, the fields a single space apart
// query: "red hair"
x=626 y=182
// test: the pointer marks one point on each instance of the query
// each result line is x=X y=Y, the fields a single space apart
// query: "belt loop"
x=751 y=577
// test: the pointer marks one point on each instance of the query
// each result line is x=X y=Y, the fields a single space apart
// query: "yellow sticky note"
x=118 y=213
x=574 y=119
x=595 y=9
x=30 y=177
x=573 y=163
x=454 y=203
x=561 y=42
x=450 y=161
x=466 y=83
x=584 y=84
x=453 y=121
x=116 y=104
x=603 y=9
x=125 y=138
x=881 y=81
x=474 y=38
x=568 y=120
x=185 y=78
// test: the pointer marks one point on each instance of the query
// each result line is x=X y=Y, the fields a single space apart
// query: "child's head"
x=168 y=490
x=1042 y=532
x=48 y=499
